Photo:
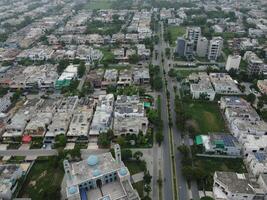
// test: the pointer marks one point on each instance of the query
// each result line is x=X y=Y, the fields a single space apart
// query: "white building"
x=256 y=163
x=233 y=62
x=102 y=119
x=215 y=48
x=100 y=177
x=202 y=47
x=193 y=33
x=234 y=186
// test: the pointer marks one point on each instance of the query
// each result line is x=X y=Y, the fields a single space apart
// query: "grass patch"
x=13 y=145
x=210 y=165
x=139 y=186
x=43 y=181
x=99 y=4
x=16 y=159
x=176 y=31
x=135 y=166
x=206 y=115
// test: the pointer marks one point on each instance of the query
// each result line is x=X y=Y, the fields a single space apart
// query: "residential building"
x=101 y=177
x=202 y=47
x=141 y=76
x=125 y=78
x=129 y=116
x=200 y=86
x=5 y=102
x=234 y=186
x=262 y=85
x=255 y=64
x=102 y=119
x=68 y=75
x=9 y=176
x=256 y=163
x=110 y=78
x=219 y=144
x=180 y=48
x=215 y=48
x=253 y=144
x=224 y=84
x=233 y=62
x=193 y=34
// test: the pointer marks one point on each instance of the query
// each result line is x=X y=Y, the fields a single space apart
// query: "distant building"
x=193 y=34
x=180 y=49
x=202 y=47
x=99 y=177
x=68 y=75
x=233 y=62
x=189 y=48
x=215 y=48
x=255 y=64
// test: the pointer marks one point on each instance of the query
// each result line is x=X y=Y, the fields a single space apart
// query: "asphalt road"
x=183 y=191
x=29 y=152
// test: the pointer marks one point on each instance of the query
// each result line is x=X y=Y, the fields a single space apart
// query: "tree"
x=121 y=141
x=81 y=70
x=172 y=73
x=126 y=154
x=103 y=140
x=133 y=59
x=251 y=98
x=159 y=137
x=62 y=65
x=147 y=177
x=206 y=198
x=16 y=96
x=61 y=141
x=137 y=155
x=147 y=189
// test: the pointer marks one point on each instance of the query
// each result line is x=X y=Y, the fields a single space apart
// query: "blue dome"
x=96 y=172
x=106 y=198
x=72 y=190
x=92 y=160
x=123 y=171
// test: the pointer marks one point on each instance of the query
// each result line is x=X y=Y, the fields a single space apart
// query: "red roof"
x=26 y=139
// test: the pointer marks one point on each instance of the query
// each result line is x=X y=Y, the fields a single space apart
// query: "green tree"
x=251 y=98
x=126 y=154
x=103 y=140
x=159 y=137
x=61 y=140
x=137 y=155
x=81 y=69
x=133 y=59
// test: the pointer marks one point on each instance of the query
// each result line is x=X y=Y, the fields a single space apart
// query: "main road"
x=183 y=192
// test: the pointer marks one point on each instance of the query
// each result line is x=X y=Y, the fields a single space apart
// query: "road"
x=166 y=171
x=30 y=152
x=183 y=190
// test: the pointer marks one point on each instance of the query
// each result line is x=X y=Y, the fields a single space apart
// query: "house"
x=102 y=118
x=233 y=102
x=94 y=77
x=141 y=76
x=224 y=84
x=256 y=163
x=262 y=85
x=110 y=78
x=129 y=116
x=234 y=186
x=37 y=126
x=219 y=144
x=125 y=78
x=253 y=144
x=5 y=102
x=68 y=75
x=9 y=176
x=200 y=86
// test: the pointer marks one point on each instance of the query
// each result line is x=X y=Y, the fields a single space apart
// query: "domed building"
x=99 y=177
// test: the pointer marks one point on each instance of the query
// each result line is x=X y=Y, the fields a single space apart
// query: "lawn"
x=210 y=165
x=43 y=181
x=135 y=166
x=99 y=4
x=206 y=116
x=176 y=31
x=139 y=186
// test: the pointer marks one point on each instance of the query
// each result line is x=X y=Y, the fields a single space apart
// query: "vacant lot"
x=206 y=116
x=43 y=181
x=98 y=4
x=210 y=165
x=176 y=31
